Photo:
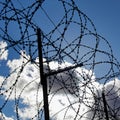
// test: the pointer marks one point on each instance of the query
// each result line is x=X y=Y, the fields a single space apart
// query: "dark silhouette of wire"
x=85 y=50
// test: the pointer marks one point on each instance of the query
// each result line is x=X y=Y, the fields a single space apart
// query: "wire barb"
x=64 y=65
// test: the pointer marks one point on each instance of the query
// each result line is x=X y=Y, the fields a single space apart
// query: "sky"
x=20 y=89
x=105 y=16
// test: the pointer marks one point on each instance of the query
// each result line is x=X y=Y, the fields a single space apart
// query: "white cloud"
x=24 y=83
x=73 y=93
x=112 y=94
x=3 y=117
x=3 y=50
x=1 y=80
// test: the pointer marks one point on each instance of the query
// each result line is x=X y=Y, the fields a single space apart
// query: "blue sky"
x=103 y=13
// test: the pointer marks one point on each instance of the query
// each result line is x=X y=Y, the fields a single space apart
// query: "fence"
x=78 y=65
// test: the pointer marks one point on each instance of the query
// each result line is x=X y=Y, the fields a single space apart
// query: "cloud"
x=72 y=94
x=23 y=85
x=3 y=117
x=112 y=93
x=3 y=50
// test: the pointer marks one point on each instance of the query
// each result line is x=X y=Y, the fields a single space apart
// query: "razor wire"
x=73 y=42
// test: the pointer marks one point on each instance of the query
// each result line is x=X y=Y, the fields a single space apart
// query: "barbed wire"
x=73 y=42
